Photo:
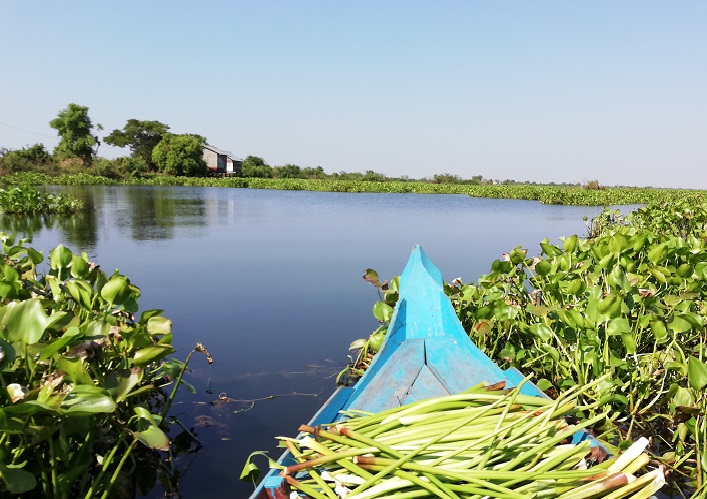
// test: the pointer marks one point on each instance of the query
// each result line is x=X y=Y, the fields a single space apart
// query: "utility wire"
x=28 y=131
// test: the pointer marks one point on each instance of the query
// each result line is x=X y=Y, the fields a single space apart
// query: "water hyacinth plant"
x=628 y=300
x=82 y=400
x=25 y=200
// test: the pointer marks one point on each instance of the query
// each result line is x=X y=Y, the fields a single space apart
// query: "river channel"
x=271 y=283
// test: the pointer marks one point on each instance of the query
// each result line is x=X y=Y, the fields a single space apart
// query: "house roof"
x=218 y=151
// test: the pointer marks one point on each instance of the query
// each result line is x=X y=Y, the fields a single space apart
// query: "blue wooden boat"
x=426 y=354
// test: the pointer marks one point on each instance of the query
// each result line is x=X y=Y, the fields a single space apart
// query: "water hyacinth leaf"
x=617 y=326
x=543 y=384
x=358 y=344
x=116 y=291
x=701 y=270
x=576 y=287
x=679 y=325
x=87 y=399
x=543 y=268
x=683 y=397
x=618 y=243
x=517 y=255
x=696 y=373
x=149 y=314
x=35 y=257
x=685 y=270
x=81 y=292
x=570 y=243
x=72 y=334
x=158 y=326
x=60 y=257
x=505 y=312
x=671 y=300
x=539 y=310
x=660 y=277
x=24 y=321
x=119 y=383
x=660 y=332
x=154 y=438
x=629 y=343
x=7 y=354
x=371 y=276
x=149 y=432
x=29 y=407
x=148 y=355
x=74 y=368
x=657 y=253
x=382 y=311
x=17 y=480
x=79 y=267
x=375 y=341
x=9 y=273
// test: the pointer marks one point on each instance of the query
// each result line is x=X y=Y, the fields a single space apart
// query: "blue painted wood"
x=426 y=354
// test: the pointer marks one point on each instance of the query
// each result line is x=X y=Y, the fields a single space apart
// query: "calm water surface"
x=270 y=282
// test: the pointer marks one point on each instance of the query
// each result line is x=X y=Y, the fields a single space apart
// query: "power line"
x=28 y=131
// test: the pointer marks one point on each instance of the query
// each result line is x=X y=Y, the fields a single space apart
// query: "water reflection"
x=157 y=215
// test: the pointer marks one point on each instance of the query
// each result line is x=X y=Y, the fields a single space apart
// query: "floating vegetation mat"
x=482 y=443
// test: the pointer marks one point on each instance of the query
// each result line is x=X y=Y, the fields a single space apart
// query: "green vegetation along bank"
x=629 y=301
x=544 y=194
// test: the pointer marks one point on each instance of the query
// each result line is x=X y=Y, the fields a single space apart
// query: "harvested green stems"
x=472 y=445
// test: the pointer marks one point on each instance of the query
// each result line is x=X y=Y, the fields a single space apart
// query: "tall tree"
x=180 y=154
x=141 y=136
x=74 y=127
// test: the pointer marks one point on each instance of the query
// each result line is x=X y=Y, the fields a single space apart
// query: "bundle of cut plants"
x=480 y=443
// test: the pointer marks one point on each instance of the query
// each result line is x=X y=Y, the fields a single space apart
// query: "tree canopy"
x=180 y=154
x=74 y=127
x=141 y=136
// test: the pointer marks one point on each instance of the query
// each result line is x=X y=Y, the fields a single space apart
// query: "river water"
x=271 y=283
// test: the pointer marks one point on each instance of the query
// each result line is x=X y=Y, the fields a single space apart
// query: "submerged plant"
x=81 y=399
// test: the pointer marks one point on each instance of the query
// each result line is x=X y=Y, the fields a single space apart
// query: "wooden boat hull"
x=426 y=354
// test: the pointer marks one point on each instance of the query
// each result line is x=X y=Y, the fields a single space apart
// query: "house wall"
x=211 y=159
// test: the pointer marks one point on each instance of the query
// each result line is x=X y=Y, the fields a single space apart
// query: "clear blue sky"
x=547 y=90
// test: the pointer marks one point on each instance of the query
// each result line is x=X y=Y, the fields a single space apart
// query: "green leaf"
x=116 y=291
x=382 y=312
x=87 y=399
x=543 y=267
x=542 y=331
x=679 y=325
x=543 y=384
x=570 y=243
x=148 y=355
x=71 y=334
x=660 y=333
x=24 y=321
x=251 y=472
x=629 y=343
x=60 y=257
x=158 y=326
x=17 y=480
x=79 y=267
x=696 y=373
x=617 y=326
x=657 y=253
x=119 y=383
x=154 y=438
x=7 y=354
